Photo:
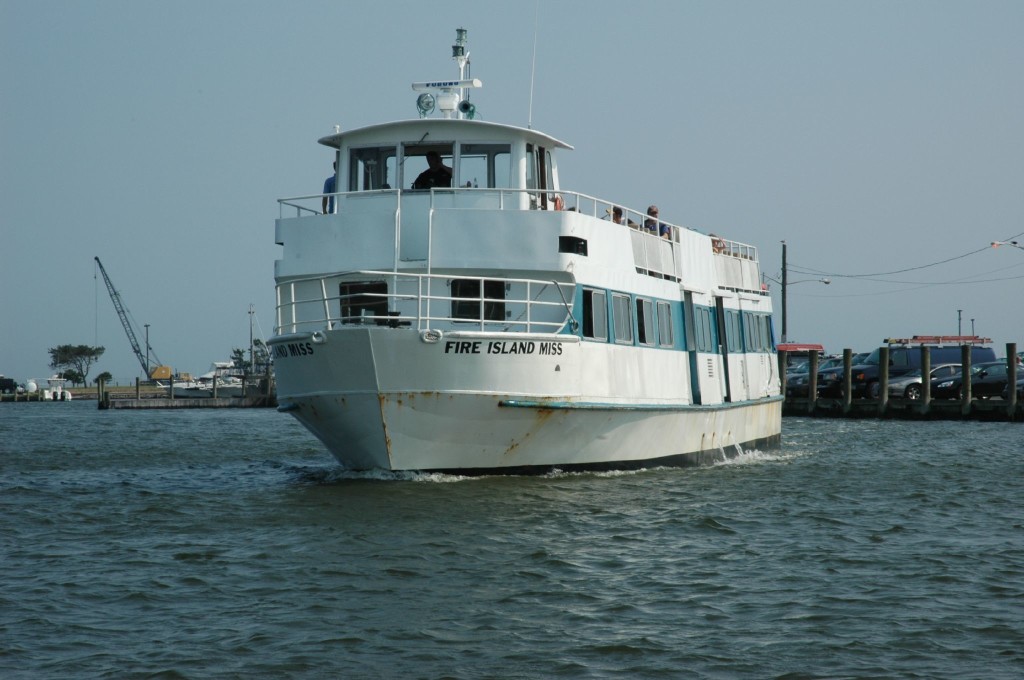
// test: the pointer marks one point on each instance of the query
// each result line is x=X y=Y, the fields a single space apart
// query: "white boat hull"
x=385 y=399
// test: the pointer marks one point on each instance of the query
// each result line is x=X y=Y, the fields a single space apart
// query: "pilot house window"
x=373 y=168
x=468 y=304
x=361 y=299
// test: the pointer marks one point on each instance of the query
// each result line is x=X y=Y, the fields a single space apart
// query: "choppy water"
x=195 y=544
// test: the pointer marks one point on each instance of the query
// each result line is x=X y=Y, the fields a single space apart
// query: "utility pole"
x=785 y=277
x=959 y=325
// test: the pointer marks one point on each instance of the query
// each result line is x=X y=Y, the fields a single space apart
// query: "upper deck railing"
x=736 y=263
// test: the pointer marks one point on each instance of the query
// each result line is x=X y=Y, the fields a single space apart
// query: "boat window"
x=362 y=299
x=622 y=320
x=702 y=329
x=595 y=314
x=372 y=168
x=733 y=330
x=756 y=332
x=665 y=336
x=549 y=178
x=644 y=321
x=467 y=306
x=539 y=174
x=485 y=165
x=531 y=167
x=414 y=165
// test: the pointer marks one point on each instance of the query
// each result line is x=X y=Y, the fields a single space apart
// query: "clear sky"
x=875 y=138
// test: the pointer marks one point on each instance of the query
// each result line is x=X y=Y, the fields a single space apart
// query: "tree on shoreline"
x=80 y=358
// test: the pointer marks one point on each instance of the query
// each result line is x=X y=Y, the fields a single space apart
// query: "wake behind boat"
x=458 y=308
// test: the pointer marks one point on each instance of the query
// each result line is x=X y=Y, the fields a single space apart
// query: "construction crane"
x=159 y=371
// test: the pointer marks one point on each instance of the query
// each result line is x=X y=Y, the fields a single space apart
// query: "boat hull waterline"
x=378 y=400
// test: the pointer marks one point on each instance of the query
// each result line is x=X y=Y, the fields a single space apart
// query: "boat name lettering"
x=503 y=347
x=293 y=349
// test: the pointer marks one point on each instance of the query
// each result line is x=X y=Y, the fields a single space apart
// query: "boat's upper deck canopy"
x=440 y=129
x=465 y=153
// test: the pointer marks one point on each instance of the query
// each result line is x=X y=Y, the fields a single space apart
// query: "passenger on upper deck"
x=327 y=205
x=437 y=175
x=652 y=224
x=616 y=213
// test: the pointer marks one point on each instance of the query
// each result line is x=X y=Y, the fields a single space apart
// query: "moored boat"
x=458 y=308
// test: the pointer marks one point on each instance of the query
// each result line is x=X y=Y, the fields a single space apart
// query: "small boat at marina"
x=223 y=379
x=54 y=390
x=458 y=307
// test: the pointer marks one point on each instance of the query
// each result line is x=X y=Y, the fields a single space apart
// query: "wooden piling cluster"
x=925 y=408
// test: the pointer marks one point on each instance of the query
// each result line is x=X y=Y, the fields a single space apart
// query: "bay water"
x=229 y=544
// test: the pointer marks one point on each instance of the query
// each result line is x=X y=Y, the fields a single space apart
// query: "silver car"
x=908 y=385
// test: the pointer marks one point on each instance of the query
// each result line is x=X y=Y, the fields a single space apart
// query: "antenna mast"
x=533 y=66
x=450 y=94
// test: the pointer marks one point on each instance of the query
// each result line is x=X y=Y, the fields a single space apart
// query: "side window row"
x=653 y=320
x=654 y=326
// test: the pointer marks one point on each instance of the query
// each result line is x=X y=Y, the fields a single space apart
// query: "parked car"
x=1020 y=388
x=987 y=380
x=902 y=359
x=798 y=381
x=909 y=385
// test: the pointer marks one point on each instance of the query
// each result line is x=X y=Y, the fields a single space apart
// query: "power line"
x=810 y=271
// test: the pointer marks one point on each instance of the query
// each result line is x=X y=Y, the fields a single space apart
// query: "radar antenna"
x=450 y=95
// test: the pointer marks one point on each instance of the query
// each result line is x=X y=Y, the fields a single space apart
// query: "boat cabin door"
x=539 y=176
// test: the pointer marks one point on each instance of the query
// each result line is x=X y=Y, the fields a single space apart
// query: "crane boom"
x=122 y=314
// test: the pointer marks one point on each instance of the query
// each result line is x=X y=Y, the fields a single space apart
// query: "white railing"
x=652 y=254
x=423 y=301
x=475 y=198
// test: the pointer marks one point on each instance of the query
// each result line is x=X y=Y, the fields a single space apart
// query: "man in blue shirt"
x=652 y=224
x=327 y=205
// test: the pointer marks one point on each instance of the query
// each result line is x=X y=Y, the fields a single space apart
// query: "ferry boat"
x=456 y=306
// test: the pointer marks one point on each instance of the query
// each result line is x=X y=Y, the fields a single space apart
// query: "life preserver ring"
x=717 y=244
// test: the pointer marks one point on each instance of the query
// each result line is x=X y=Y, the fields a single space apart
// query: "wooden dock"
x=965 y=408
x=905 y=409
x=149 y=398
x=165 y=403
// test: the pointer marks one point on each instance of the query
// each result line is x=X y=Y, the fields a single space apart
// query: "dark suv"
x=864 y=376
